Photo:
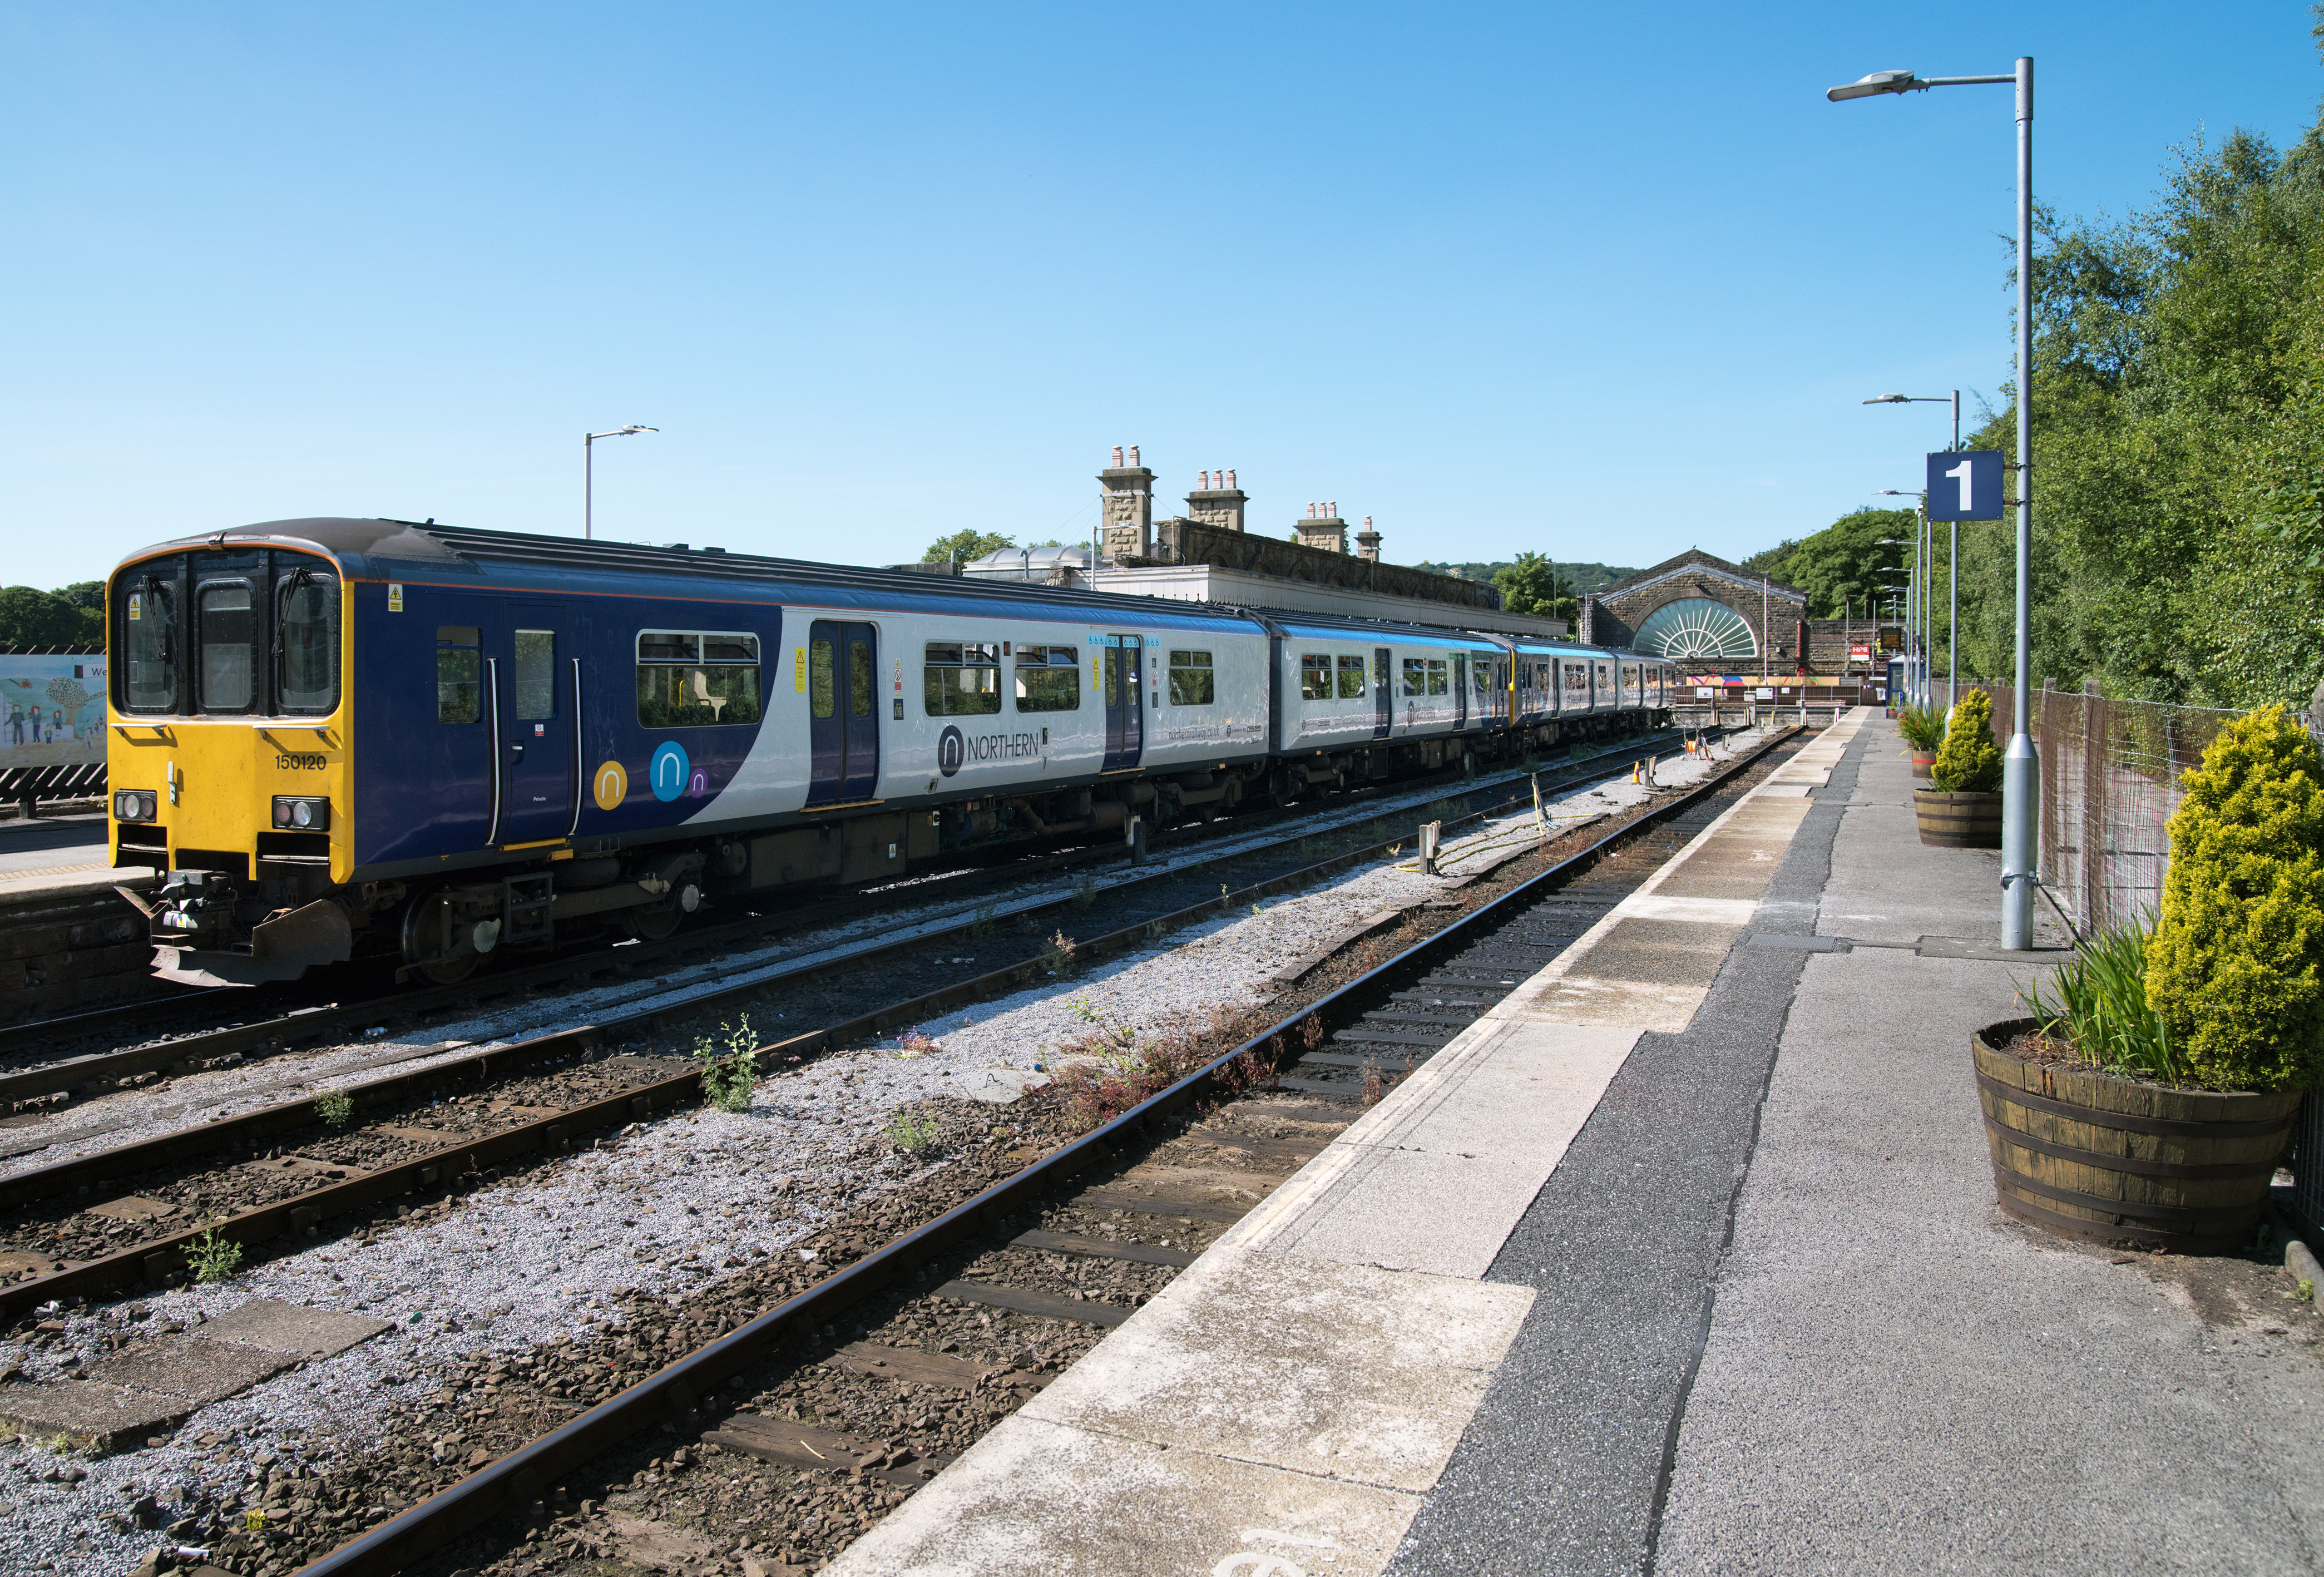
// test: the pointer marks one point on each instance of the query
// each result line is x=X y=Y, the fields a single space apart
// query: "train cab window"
x=1351 y=678
x=1049 y=678
x=226 y=630
x=1314 y=675
x=149 y=644
x=1192 y=683
x=459 y=674
x=963 y=678
x=700 y=679
x=306 y=645
x=1440 y=678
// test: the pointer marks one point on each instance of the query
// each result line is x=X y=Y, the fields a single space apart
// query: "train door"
x=1460 y=689
x=843 y=663
x=1123 y=687
x=534 y=725
x=1383 y=704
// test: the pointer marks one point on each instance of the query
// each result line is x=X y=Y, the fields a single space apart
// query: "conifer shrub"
x=2236 y=966
x=1968 y=762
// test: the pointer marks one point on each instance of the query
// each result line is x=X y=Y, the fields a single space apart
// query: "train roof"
x=389 y=549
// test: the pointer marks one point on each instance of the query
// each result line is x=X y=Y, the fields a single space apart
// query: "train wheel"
x=653 y=925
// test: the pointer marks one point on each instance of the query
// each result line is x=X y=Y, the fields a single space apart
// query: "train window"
x=1577 y=678
x=533 y=676
x=1416 y=677
x=822 y=692
x=1351 y=678
x=148 y=625
x=1192 y=683
x=1316 y=676
x=1440 y=679
x=306 y=650
x=1049 y=678
x=1605 y=678
x=859 y=679
x=963 y=678
x=689 y=679
x=226 y=628
x=459 y=674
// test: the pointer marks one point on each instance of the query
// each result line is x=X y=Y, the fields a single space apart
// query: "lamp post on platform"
x=588 y=473
x=2021 y=768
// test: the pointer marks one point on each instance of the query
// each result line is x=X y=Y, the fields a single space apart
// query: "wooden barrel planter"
x=1958 y=821
x=1923 y=764
x=2090 y=1155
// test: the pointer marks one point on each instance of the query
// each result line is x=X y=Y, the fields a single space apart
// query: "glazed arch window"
x=962 y=679
x=690 y=679
x=148 y=620
x=225 y=637
x=459 y=674
x=1192 y=680
x=1049 y=678
x=1314 y=675
x=1351 y=678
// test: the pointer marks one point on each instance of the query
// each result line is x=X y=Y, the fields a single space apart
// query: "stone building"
x=1708 y=615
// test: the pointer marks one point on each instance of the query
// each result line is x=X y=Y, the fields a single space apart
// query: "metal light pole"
x=588 y=475
x=2021 y=768
x=1925 y=400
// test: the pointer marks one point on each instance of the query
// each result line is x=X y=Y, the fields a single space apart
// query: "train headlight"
x=301 y=812
x=133 y=805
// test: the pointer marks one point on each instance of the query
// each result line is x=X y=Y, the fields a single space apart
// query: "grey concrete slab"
x=1668 y=953
x=1035 y=1499
x=1343 y=1370
x=89 y=1415
x=195 y=1368
x=293 y=1328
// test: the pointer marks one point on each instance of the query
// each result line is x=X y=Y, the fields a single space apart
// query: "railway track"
x=785 y=1413
x=160 y=1197
x=228 y=1045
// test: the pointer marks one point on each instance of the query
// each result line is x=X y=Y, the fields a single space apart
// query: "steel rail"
x=262 y=1036
x=669 y=1395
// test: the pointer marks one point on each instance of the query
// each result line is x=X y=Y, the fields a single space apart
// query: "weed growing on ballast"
x=982 y=926
x=913 y=1132
x=215 y=1256
x=1085 y=892
x=335 y=1108
x=1057 y=957
x=729 y=1071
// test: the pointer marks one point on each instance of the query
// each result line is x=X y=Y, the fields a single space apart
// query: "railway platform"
x=1682 y=1258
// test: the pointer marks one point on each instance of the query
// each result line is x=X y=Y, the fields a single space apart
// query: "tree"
x=1533 y=586
x=31 y=617
x=965 y=545
x=1839 y=567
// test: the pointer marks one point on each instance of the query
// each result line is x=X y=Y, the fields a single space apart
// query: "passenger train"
x=347 y=738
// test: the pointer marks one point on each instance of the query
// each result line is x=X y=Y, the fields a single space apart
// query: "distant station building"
x=1206 y=555
x=1709 y=616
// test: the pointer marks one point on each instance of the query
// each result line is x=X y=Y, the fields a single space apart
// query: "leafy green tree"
x=31 y=617
x=1532 y=585
x=1839 y=567
x=965 y=545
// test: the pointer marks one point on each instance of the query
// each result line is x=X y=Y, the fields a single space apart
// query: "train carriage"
x=345 y=737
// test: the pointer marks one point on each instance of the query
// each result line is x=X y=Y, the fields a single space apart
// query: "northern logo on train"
x=670 y=770
x=952 y=751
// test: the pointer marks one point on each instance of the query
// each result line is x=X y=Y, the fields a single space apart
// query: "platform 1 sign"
x=1965 y=484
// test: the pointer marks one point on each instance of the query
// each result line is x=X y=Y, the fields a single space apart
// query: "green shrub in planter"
x=2236 y=966
x=1923 y=727
x=1968 y=762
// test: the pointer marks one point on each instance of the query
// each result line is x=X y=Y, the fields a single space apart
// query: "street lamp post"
x=588 y=475
x=2021 y=768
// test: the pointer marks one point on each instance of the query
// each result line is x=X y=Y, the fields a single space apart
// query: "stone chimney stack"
x=1126 y=507
x=1367 y=541
x=1217 y=502
x=1323 y=528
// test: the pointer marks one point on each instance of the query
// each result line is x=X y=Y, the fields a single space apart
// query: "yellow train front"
x=228 y=757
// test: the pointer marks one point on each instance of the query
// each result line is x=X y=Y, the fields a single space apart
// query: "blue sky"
x=1600 y=282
